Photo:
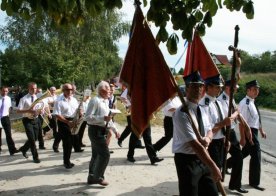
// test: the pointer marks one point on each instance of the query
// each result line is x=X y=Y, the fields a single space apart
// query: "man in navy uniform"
x=193 y=164
x=252 y=116
x=218 y=121
x=236 y=159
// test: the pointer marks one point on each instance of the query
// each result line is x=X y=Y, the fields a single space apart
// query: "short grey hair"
x=101 y=86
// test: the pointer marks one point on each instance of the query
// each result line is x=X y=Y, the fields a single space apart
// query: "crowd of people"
x=197 y=128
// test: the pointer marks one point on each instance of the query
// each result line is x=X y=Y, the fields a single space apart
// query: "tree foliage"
x=50 y=55
x=185 y=15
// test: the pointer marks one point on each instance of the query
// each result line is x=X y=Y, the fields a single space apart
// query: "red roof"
x=223 y=59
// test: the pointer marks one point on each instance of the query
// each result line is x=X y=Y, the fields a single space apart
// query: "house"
x=220 y=59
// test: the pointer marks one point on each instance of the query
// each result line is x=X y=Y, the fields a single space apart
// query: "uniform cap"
x=252 y=83
x=193 y=78
x=214 y=80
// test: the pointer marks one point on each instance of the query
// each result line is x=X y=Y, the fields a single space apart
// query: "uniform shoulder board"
x=207 y=101
x=247 y=101
x=223 y=97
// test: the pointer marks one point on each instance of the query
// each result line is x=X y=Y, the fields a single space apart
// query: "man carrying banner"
x=217 y=119
x=193 y=164
x=236 y=160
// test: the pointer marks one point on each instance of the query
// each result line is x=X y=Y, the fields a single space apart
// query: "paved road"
x=269 y=124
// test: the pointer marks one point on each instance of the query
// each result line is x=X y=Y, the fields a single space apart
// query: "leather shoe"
x=69 y=165
x=15 y=151
x=42 y=148
x=56 y=150
x=103 y=183
x=240 y=190
x=258 y=187
x=24 y=153
x=131 y=159
x=37 y=160
x=83 y=145
x=111 y=152
x=120 y=144
x=155 y=160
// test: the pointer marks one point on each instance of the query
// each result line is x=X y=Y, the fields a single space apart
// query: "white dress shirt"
x=249 y=112
x=210 y=108
x=66 y=107
x=172 y=103
x=25 y=103
x=7 y=105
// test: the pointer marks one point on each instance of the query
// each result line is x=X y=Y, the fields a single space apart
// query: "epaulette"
x=207 y=101
x=247 y=101
x=223 y=97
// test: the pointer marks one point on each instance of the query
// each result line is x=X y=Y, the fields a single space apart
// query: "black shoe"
x=14 y=151
x=69 y=165
x=83 y=145
x=155 y=160
x=80 y=150
x=140 y=146
x=111 y=152
x=42 y=148
x=56 y=150
x=120 y=144
x=240 y=190
x=257 y=187
x=37 y=160
x=24 y=153
x=131 y=159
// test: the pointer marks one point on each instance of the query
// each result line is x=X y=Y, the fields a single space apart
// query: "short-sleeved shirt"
x=25 y=103
x=183 y=132
x=224 y=100
x=249 y=112
x=208 y=105
x=66 y=107
x=7 y=105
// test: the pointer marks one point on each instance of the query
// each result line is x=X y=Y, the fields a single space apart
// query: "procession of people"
x=209 y=106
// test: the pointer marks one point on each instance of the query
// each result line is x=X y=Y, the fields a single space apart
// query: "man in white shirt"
x=30 y=121
x=65 y=109
x=5 y=106
x=98 y=117
x=252 y=116
x=193 y=164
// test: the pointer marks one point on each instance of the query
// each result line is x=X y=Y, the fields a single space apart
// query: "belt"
x=69 y=118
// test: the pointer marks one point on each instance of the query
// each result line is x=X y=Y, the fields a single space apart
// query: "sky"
x=255 y=36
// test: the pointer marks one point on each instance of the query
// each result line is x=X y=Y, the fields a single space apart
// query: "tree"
x=185 y=15
x=50 y=55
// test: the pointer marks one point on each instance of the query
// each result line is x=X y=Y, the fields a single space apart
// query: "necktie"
x=200 y=122
x=220 y=116
x=32 y=98
x=260 y=121
x=2 y=107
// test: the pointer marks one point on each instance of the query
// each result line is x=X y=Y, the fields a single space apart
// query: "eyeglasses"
x=68 y=89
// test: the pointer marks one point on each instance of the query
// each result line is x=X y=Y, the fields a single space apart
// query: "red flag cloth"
x=199 y=59
x=145 y=72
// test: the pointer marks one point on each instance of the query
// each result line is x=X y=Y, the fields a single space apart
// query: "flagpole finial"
x=137 y=2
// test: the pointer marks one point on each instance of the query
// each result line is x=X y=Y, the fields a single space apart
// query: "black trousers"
x=31 y=128
x=215 y=150
x=147 y=140
x=81 y=131
x=194 y=178
x=255 y=161
x=6 y=124
x=127 y=131
x=235 y=161
x=52 y=125
x=66 y=138
x=168 y=127
x=40 y=135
